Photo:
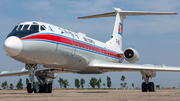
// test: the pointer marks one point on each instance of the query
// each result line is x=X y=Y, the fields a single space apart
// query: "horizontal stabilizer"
x=126 y=13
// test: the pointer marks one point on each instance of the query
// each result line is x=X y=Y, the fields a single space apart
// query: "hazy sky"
x=156 y=38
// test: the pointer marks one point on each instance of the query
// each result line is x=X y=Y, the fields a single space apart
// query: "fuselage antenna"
x=40 y=19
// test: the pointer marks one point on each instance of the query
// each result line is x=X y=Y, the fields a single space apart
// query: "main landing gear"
x=43 y=87
x=147 y=86
x=46 y=88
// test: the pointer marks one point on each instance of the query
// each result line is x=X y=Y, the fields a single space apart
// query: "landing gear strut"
x=147 y=86
x=37 y=88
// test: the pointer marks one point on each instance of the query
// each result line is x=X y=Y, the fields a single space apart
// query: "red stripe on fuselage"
x=49 y=37
x=64 y=40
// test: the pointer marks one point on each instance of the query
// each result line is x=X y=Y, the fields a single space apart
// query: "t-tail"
x=116 y=38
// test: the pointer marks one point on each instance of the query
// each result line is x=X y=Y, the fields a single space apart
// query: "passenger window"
x=94 y=48
x=34 y=27
x=15 y=28
x=73 y=43
x=98 y=49
x=84 y=45
x=20 y=26
x=88 y=46
x=91 y=48
x=77 y=44
x=25 y=27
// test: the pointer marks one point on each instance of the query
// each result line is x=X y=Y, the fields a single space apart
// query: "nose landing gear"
x=43 y=87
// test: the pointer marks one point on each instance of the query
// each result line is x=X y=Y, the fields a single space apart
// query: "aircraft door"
x=73 y=48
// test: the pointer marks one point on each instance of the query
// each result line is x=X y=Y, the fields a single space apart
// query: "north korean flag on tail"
x=120 y=29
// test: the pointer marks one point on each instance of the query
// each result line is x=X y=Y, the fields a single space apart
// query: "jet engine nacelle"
x=131 y=55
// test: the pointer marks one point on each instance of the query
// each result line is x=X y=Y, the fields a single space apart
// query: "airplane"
x=46 y=50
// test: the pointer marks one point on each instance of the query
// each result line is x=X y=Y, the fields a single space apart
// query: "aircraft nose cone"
x=13 y=46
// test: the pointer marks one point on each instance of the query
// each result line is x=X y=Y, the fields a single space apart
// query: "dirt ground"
x=91 y=95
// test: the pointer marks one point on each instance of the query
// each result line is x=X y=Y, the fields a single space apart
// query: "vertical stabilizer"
x=116 y=38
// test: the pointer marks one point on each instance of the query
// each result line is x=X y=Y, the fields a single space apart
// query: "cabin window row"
x=93 y=48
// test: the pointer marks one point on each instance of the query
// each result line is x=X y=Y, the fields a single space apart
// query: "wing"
x=26 y=72
x=14 y=73
x=114 y=67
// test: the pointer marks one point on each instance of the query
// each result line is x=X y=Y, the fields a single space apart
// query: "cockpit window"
x=20 y=26
x=43 y=28
x=25 y=27
x=15 y=28
x=34 y=27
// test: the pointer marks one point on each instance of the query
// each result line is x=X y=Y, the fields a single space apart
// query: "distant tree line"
x=19 y=85
x=94 y=82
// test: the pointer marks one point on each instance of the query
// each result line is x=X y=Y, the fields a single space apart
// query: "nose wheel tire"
x=36 y=88
x=29 y=89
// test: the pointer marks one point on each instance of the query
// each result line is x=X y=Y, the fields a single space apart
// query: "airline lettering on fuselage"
x=50 y=28
x=63 y=31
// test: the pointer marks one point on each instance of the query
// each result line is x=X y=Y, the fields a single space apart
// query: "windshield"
x=34 y=27
x=15 y=28
x=26 y=29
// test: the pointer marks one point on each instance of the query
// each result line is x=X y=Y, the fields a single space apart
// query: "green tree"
x=60 y=82
x=76 y=82
x=93 y=82
x=11 y=86
x=123 y=78
x=133 y=85
x=123 y=84
x=4 y=85
x=104 y=84
x=108 y=82
x=82 y=82
x=65 y=83
x=19 y=84
x=98 y=83
x=27 y=81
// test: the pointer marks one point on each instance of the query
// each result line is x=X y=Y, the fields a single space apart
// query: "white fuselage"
x=55 y=47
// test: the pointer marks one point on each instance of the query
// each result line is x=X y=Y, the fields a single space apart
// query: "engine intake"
x=131 y=55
